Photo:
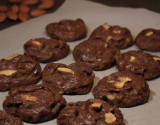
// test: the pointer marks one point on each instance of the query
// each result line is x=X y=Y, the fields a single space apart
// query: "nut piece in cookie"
x=114 y=35
x=123 y=89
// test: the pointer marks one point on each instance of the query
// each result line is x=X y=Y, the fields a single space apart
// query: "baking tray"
x=93 y=14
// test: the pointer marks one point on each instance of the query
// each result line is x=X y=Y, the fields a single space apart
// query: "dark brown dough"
x=34 y=103
x=77 y=78
x=96 y=53
x=140 y=63
x=90 y=112
x=68 y=30
x=123 y=89
x=148 y=39
x=114 y=35
x=45 y=50
x=7 y=119
x=18 y=70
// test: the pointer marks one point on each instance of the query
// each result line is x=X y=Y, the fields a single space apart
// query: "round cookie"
x=90 y=112
x=139 y=62
x=114 y=35
x=45 y=50
x=68 y=30
x=34 y=103
x=77 y=78
x=123 y=89
x=148 y=39
x=96 y=53
x=18 y=70
x=7 y=119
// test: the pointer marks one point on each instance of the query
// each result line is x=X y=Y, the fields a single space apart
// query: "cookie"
x=96 y=53
x=68 y=30
x=18 y=70
x=46 y=50
x=148 y=39
x=114 y=35
x=77 y=78
x=34 y=103
x=123 y=89
x=7 y=119
x=90 y=112
x=139 y=62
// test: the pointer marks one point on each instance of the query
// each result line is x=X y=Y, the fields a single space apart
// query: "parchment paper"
x=93 y=14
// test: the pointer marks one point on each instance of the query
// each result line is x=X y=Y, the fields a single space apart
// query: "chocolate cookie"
x=34 y=103
x=68 y=30
x=114 y=35
x=45 y=50
x=96 y=53
x=90 y=112
x=18 y=70
x=7 y=119
x=123 y=89
x=139 y=62
x=77 y=78
x=148 y=39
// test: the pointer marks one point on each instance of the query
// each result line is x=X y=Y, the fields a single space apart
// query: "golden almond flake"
x=132 y=58
x=109 y=117
x=116 y=31
x=99 y=59
x=105 y=45
x=156 y=58
x=108 y=38
x=7 y=72
x=122 y=81
x=149 y=33
x=106 y=26
x=110 y=96
x=62 y=69
x=11 y=57
x=96 y=105
x=29 y=97
x=36 y=43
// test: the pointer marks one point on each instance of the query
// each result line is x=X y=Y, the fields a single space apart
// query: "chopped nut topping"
x=110 y=97
x=11 y=57
x=128 y=39
x=35 y=71
x=149 y=33
x=116 y=31
x=132 y=58
x=105 y=45
x=96 y=105
x=109 y=117
x=108 y=38
x=106 y=26
x=99 y=59
x=122 y=81
x=66 y=70
x=156 y=58
x=36 y=43
x=7 y=72
x=29 y=97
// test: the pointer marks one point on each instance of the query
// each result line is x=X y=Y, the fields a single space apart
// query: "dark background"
x=153 y=5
